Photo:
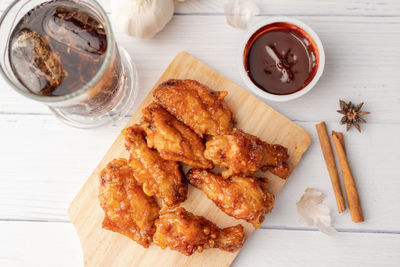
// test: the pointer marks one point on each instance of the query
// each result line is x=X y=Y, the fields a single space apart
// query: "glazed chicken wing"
x=239 y=197
x=243 y=153
x=128 y=210
x=182 y=231
x=158 y=176
x=173 y=139
x=194 y=104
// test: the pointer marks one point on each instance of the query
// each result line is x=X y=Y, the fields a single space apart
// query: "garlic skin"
x=142 y=18
x=312 y=212
x=239 y=12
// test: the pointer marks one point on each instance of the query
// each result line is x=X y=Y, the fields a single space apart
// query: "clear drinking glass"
x=106 y=97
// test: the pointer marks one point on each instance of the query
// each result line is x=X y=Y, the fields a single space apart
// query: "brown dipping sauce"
x=281 y=58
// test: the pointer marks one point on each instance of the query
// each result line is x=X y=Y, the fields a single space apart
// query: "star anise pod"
x=352 y=114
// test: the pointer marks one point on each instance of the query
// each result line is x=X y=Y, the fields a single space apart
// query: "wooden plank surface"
x=352 y=71
x=296 y=8
x=105 y=248
x=266 y=247
x=305 y=248
x=361 y=41
x=291 y=7
x=44 y=193
x=284 y=7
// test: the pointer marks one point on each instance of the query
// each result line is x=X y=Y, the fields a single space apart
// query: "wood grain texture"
x=314 y=249
x=39 y=191
x=49 y=244
x=290 y=7
x=298 y=8
x=56 y=244
x=44 y=163
x=104 y=248
x=352 y=71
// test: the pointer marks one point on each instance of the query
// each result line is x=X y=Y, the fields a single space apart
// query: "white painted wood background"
x=43 y=163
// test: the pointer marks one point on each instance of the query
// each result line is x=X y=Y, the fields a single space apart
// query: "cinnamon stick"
x=340 y=136
x=327 y=151
x=349 y=185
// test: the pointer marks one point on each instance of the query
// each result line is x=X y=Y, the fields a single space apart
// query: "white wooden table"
x=43 y=163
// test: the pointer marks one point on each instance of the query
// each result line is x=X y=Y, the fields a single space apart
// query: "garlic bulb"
x=142 y=18
x=312 y=212
x=239 y=12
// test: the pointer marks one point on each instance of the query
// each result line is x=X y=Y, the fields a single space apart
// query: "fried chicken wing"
x=128 y=210
x=264 y=184
x=194 y=104
x=239 y=197
x=173 y=139
x=182 y=231
x=243 y=153
x=158 y=176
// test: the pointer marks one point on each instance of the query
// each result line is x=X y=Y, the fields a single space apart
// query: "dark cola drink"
x=59 y=47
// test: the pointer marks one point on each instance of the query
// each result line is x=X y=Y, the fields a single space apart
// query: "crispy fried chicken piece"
x=173 y=139
x=194 y=104
x=182 y=231
x=243 y=153
x=158 y=176
x=264 y=184
x=128 y=210
x=239 y=197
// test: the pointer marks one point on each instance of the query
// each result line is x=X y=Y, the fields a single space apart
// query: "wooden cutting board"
x=106 y=248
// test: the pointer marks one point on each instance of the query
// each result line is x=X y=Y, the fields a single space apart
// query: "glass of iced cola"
x=62 y=53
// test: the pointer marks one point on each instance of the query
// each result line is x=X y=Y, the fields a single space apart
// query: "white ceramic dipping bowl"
x=319 y=53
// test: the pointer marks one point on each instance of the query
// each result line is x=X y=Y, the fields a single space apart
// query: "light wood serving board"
x=106 y=248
